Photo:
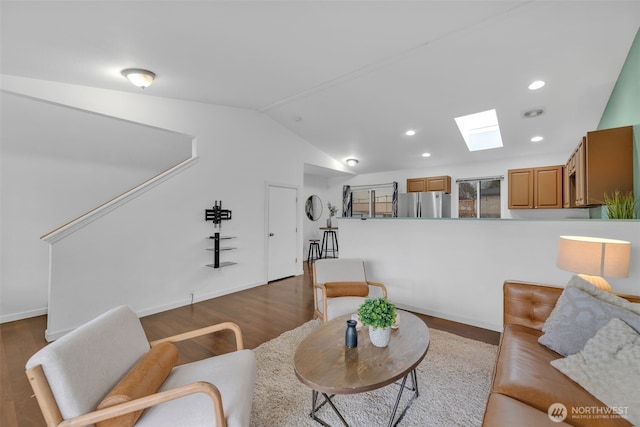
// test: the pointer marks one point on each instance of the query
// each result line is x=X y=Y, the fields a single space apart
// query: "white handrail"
x=87 y=218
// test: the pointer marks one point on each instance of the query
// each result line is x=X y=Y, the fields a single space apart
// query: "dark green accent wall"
x=623 y=108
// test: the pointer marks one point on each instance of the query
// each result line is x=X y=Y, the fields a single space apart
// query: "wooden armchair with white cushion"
x=105 y=372
x=340 y=285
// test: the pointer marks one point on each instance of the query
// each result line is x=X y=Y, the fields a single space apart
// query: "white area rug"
x=453 y=381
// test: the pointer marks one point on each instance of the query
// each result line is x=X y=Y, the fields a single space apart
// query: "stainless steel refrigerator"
x=429 y=204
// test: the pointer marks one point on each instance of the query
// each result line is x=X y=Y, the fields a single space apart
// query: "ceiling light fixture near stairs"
x=352 y=162
x=139 y=77
x=533 y=113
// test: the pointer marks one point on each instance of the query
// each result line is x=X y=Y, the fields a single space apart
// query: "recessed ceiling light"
x=537 y=139
x=426 y=154
x=352 y=162
x=536 y=85
x=410 y=132
x=533 y=113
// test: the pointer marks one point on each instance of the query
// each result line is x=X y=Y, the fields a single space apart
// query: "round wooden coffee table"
x=324 y=364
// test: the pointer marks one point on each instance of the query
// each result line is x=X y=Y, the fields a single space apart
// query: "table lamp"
x=594 y=257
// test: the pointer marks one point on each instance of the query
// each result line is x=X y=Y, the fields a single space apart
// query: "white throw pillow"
x=609 y=368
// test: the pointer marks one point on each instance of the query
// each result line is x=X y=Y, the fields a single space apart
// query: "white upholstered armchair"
x=106 y=368
x=340 y=285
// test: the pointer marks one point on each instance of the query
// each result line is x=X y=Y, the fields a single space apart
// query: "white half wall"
x=455 y=268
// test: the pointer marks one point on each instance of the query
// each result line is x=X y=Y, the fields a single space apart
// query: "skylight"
x=480 y=130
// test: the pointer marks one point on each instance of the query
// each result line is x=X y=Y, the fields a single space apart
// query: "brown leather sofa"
x=525 y=384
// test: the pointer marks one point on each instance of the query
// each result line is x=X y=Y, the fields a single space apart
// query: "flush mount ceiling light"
x=139 y=77
x=533 y=113
x=352 y=162
x=426 y=154
x=480 y=130
x=536 y=85
x=537 y=139
x=410 y=132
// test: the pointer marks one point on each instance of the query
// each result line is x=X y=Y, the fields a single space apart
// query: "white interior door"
x=282 y=232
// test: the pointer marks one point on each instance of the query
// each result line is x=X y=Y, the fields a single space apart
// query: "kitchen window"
x=479 y=197
x=371 y=201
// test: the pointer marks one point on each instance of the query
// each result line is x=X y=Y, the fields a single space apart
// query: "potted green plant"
x=379 y=314
x=332 y=211
x=620 y=206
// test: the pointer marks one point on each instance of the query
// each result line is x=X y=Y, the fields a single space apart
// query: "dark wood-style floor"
x=263 y=313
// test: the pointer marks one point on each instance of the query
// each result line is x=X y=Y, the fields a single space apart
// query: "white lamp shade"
x=594 y=256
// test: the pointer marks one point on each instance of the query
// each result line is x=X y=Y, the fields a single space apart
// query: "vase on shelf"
x=329 y=222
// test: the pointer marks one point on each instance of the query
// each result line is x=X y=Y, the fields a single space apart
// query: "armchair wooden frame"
x=322 y=315
x=52 y=415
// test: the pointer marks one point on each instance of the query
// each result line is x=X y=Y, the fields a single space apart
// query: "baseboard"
x=197 y=298
x=23 y=315
x=52 y=336
x=453 y=318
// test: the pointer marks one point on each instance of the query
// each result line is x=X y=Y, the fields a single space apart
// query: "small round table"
x=324 y=364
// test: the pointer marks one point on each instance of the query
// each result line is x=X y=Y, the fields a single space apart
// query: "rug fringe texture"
x=453 y=380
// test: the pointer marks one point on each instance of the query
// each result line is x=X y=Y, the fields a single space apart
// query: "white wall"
x=150 y=253
x=455 y=268
x=56 y=165
x=318 y=185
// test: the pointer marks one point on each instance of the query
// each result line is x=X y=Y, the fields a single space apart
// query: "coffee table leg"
x=414 y=388
x=315 y=407
x=327 y=399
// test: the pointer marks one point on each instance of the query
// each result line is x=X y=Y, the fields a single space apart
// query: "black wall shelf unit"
x=216 y=215
x=217 y=238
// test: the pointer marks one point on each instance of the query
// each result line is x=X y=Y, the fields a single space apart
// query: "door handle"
x=270 y=234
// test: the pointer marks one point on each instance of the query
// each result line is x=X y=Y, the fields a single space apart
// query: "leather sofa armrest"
x=528 y=304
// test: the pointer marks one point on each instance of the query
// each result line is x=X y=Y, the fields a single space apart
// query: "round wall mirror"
x=313 y=207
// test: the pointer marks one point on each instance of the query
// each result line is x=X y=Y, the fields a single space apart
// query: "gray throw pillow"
x=578 y=282
x=578 y=316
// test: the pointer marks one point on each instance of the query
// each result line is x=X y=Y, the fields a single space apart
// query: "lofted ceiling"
x=348 y=76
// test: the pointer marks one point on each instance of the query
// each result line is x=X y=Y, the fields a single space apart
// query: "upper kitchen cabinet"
x=574 y=181
x=430 y=183
x=535 y=188
x=415 y=185
x=601 y=164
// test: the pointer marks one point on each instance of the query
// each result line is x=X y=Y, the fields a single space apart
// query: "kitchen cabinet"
x=574 y=180
x=536 y=188
x=430 y=183
x=601 y=164
x=439 y=183
x=416 y=185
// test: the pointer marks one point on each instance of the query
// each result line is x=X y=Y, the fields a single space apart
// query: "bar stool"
x=314 y=251
x=330 y=236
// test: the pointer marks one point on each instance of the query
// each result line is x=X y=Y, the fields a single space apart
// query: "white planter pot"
x=379 y=336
